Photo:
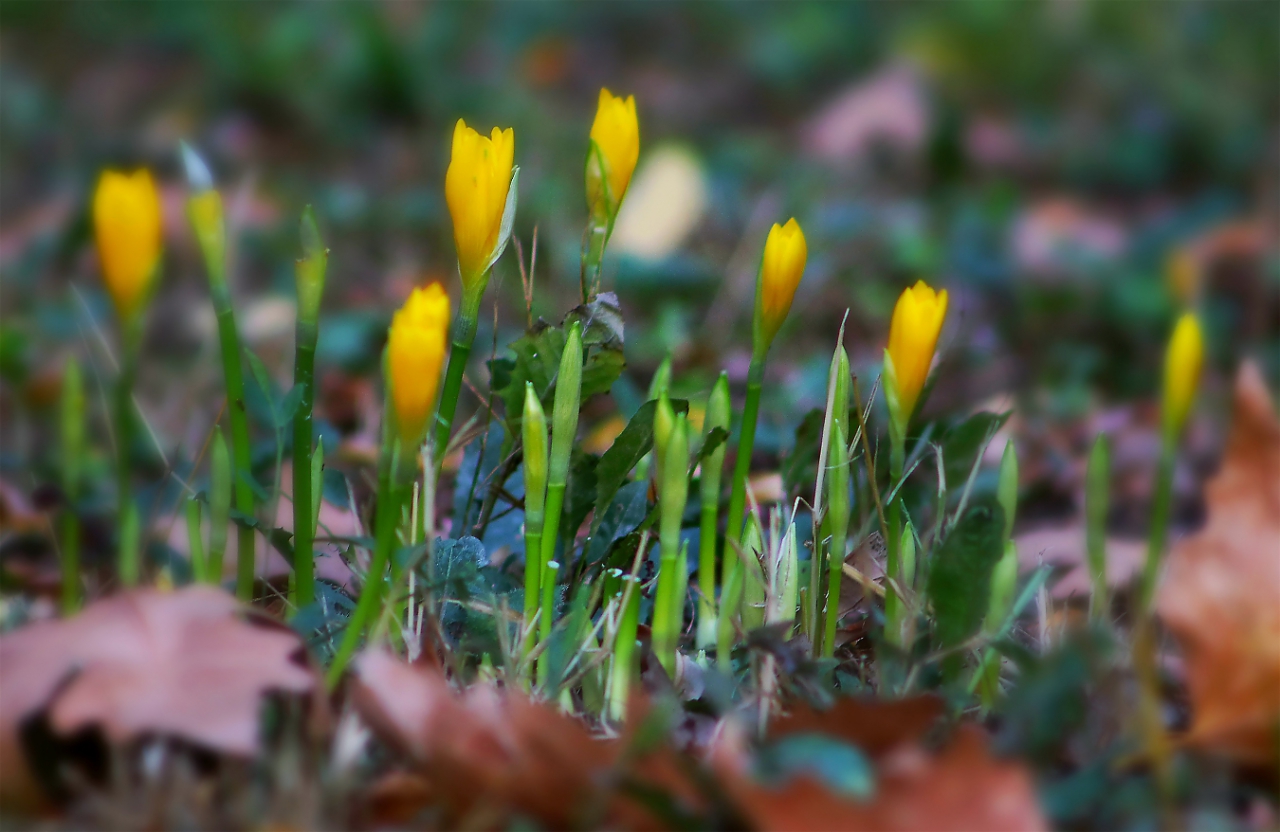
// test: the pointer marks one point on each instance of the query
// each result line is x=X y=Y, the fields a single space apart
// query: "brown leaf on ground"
x=1064 y=547
x=1221 y=593
x=182 y=664
x=875 y=727
x=488 y=755
x=961 y=787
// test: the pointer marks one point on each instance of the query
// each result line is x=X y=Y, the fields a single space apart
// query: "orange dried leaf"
x=1221 y=594
x=181 y=664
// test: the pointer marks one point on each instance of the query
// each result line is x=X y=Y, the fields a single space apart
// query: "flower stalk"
x=564 y=428
x=673 y=494
x=71 y=424
x=204 y=208
x=534 y=426
x=1183 y=362
x=310 y=274
x=717 y=416
x=1096 y=505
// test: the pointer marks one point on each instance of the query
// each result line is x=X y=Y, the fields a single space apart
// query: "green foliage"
x=960 y=573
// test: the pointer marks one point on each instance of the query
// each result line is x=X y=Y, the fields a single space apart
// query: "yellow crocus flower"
x=913 y=337
x=415 y=356
x=476 y=187
x=1182 y=364
x=785 y=253
x=126 y=221
x=616 y=132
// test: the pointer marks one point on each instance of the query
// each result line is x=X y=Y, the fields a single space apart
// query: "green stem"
x=123 y=417
x=593 y=244
x=303 y=515
x=742 y=467
x=238 y=418
x=69 y=535
x=1159 y=520
x=547 y=607
x=532 y=580
x=624 y=648
x=464 y=334
x=710 y=494
x=550 y=534
x=386 y=517
x=893 y=565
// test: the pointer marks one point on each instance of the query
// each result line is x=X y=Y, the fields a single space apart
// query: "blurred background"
x=1074 y=173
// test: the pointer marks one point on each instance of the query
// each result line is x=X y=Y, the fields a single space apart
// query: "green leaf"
x=537 y=357
x=625 y=512
x=289 y=405
x=800 y=466
x=629 y=448
x=581 y=497
x=280 y=539
x=716 y=438
x=960 y=574
x=838 y=764
x=962 y=443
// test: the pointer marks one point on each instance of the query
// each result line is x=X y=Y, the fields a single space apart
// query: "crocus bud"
x=785 y=253
x=1004 y=580
x=753 y=579
x=126 y=222
x=1182 y=365
x=309 y=271
x=1007 y=487
x=664 y=418
x=568 y=400
x=913 y=336
x=479 y=188
x=615 y=147
x=534 y=426
x=719 y=409
x=416 y=345
x=675 y=470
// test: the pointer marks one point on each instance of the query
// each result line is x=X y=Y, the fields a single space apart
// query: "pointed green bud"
x=1007 y=487
x=1096 y=505
x=664 y=418
x=219 y=501
x=310 y=270
x=568 y=399
x=535 y=454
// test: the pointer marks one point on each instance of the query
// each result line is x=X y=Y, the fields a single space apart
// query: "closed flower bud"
x=415 y=355
x=615 y=147
x=913 y=336
x=785 y=253
x=126 y=221
x=478 y=189
x=664 y=418
x=1182 y=365
x=534 y=425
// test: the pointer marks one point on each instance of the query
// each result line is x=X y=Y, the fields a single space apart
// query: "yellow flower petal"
x=913 y=337
x=475 y=188
x=785 y=254
x=416 y=346
x=126 y=220
x=616 y=131
x=1183 y=362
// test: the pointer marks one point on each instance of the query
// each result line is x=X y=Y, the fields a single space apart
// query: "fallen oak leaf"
x=1221 y=593
x=961 y=787
x=875 y=727
x=182 y=664
x=489 y=756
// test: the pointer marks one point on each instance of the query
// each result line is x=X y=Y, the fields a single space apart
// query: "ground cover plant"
x=536 y=583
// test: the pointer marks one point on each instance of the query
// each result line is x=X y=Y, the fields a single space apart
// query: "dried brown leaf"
x=962 y=787
x=1221 y=594
x=182 y=664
